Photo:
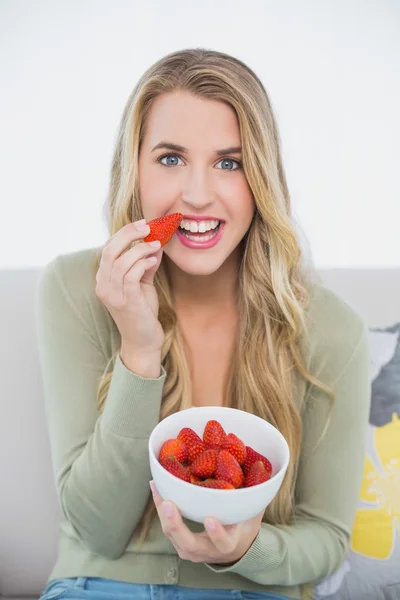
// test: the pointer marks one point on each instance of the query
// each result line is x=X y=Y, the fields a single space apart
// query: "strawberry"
x=218 y=484
x=213 y=435
x=251 y=457
x=164 y=228
x=173 y=447
x=194 y=478
x=192 y=441
x=235 y=446
x=172 y=465
x=229 y=469
x=204 y=465
x=257 y=474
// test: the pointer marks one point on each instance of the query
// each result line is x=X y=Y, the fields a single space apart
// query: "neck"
x=206 y=295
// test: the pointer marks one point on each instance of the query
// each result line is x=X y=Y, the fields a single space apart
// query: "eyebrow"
x=177 y=148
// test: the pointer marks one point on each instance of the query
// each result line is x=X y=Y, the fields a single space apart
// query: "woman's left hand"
x=218 y=544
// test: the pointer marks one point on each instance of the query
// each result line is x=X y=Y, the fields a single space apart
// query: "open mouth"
x=200 y=237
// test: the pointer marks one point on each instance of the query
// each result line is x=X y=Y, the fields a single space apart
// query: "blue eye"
x=231 y=160
x=167 y=156
x=224 y=160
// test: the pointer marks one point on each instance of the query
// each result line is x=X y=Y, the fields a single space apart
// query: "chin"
x=201 y=270
x=196 y=265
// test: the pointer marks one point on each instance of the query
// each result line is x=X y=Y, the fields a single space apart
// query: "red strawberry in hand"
x=217 y=484
x=251 y=457
x=173 y=447
x=192 y=441
x=235 y=446
x=172 y=465
x=164 y=228
x=214 y=435
x=229 y=469
x=257 y=474
x=204 y=465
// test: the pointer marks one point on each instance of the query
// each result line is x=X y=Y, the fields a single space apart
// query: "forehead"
x=180 y=117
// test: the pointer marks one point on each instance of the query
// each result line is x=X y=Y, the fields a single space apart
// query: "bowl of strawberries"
x=214 y=461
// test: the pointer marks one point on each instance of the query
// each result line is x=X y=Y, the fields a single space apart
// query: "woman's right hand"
x=125 y=286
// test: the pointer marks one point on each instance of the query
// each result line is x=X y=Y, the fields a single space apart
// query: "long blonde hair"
x=273 y=284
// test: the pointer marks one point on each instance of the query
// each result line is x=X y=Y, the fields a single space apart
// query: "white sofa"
x=28 y=507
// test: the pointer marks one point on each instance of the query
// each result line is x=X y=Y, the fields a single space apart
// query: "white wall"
x=331 y=69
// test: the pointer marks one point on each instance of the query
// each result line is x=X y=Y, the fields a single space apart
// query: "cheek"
x=156 y=192
x=242 y=198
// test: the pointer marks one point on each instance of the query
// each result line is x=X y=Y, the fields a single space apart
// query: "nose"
x=197 y=191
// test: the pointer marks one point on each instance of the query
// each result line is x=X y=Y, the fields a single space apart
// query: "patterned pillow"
x=372 y=568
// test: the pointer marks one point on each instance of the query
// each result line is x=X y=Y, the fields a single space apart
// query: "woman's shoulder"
x=334 y=329
x=327 y=310
x=76 y=270
x=71 y=278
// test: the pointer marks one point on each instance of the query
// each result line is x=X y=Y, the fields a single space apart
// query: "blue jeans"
x=96 y=588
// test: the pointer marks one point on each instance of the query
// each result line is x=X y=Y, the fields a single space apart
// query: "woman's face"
x=198 y=180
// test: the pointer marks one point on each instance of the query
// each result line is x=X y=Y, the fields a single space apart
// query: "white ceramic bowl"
x=228 y=506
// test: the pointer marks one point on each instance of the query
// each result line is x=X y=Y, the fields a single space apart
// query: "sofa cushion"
x=392 y=592
x=371 y=570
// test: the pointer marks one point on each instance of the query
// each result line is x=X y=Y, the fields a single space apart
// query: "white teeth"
x=198 y=226
x=198 y=238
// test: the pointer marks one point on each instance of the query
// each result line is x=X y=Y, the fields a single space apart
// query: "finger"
x=123 y=265
x=128 y=235
x=148 y=276
x=115 y=295
x=224 y=539
x=188 y=544
x=227 y=538
x=142 y=271
x=191 y=546
x=116 y=245
x=156 y=496
x=126 y=273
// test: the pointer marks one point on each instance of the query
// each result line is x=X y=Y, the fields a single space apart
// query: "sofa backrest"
x=29 y=510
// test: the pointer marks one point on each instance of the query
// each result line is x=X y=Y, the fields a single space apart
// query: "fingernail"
x=152 y=487
x=143 y=227
x=155 y=244
x=140 y=222
x=210 y=524
x=168 y=510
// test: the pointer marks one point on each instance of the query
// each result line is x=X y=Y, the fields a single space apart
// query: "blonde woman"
x=227 y=314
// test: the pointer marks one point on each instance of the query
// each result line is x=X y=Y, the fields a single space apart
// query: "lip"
x=202 y=218
x=201 y=245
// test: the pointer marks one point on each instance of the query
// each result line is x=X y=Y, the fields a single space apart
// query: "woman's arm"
x=328 y=482
x=100 y=461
